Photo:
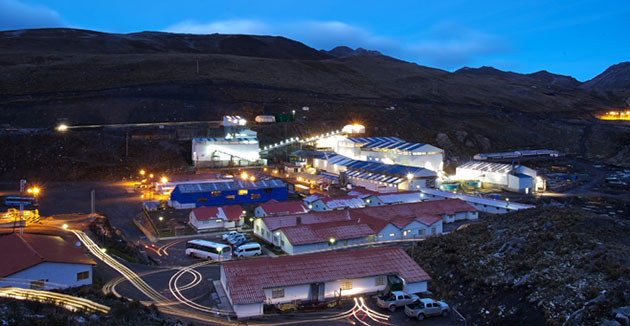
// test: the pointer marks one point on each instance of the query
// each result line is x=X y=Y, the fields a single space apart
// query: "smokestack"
x=298 y=220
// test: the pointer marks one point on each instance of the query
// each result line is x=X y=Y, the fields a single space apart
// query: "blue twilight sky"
x=577 y=38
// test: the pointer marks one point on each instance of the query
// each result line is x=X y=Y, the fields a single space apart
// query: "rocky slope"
x=552 y=266
x=616 y=77
x=93 y=78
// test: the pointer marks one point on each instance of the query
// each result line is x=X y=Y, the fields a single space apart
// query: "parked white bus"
x=208 y=250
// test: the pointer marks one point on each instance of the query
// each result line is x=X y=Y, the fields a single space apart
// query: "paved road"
x=112 y=200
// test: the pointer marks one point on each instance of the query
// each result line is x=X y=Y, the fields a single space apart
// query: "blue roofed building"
x=389 y=150
x=236 y=192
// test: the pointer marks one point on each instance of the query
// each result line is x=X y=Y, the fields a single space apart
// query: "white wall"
x=386 y=233
x=262 y=231
x=433 y=162
x=248 y=310
x=210 y=224
x=415 y=287
x=175 y=204
x=295 y=292
x=56 y=276
x=373 y=200
x=359 y=286
x=318 y=206
x=259 y=212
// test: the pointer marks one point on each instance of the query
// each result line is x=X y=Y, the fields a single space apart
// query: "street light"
x=65 y=226
x=62 y=127
x=164 y=180
x=142 y=172
x=331 y=241
x=151 y=176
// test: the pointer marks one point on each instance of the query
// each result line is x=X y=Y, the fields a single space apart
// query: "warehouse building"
x=382 y=177
x=482 y=204
x=237 y=192
x=511 y=177
x=388 y=150
x=238 y=146
x=43 y=262
x=250 y=284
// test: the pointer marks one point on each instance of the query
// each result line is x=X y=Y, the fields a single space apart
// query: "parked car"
x=395 y=299
x=426 y=307
x=229 y=234
x=237 y=238
x=248 y=249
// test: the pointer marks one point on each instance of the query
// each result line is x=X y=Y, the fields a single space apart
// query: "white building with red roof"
x=249 y=284
x=43 y=262
x=299 y=233
x=275 y=208
x=208 y=218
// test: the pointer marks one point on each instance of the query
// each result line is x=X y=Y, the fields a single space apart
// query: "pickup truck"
x=426 y=307
x=395 y=299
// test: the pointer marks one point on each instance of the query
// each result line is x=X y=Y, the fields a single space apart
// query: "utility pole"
x=92 y=204
x=127 y=144
x=22 y=185
x=197 y=67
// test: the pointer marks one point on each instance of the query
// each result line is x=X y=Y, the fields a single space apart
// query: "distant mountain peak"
x=344 y=51
x=615 y=77
x=539 y=76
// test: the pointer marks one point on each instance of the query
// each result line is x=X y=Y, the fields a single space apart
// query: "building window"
x=230 y=197
x=433 y=230
x=83 y=275
x=421 y=232
x=257 y=228
x=380 y=235
x=37 y=285
x=242 y=192
x=379 y=280
x=215 y=193
x=202 y=199
x=268 y=190
x=277 y=293
x=281 y=243
x=392 y=235
x=346 y=284
x=255 y=196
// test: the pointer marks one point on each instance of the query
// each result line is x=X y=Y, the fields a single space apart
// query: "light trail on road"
x=163 y=303
x=63 y=300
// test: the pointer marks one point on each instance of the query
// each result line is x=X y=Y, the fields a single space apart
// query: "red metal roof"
x=400 y=214
x=22 y=251
x=247 y=279
x=322 y=232
x=283 y=208
x=229 y=213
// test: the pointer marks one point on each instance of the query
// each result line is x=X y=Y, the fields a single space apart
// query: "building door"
x=317 y=291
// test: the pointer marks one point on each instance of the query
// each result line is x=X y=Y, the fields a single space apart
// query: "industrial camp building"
x=388 y=150
x=274 y=208
x=237 y=192
x=482 y=204
x=42 y=262
x=238 y=147
x=250 y=284
x=511 y=177
x=375 y=176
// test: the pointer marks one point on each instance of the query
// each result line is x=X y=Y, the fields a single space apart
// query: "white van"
x=248 y=249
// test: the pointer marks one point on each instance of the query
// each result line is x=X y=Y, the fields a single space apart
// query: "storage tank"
x=265 y=119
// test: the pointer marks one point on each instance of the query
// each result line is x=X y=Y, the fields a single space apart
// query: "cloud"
x=443 y=45
x=239 y=26
x=18 y=15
